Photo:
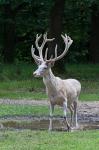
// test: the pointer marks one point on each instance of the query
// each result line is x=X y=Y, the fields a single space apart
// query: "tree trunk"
x=9 y=34
x=94 y=42
x=55 y=30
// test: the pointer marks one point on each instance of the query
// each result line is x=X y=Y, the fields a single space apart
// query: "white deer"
x=60 y=92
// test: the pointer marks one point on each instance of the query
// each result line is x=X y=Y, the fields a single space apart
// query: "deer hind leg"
x=65 y=115
x=51 y=115
x=72 y=113
x=75 y=114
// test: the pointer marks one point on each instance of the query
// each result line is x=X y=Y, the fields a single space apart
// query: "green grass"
x=24 y=89
x=17 y=81
x=22 y=71
x=90 y=90
x=88 y=72
x=12 y=110
x=43 y=140
x=89 y=97
x=19 y=110
x=34 y=89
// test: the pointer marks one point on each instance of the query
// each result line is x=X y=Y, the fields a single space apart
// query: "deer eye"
x=45 y=68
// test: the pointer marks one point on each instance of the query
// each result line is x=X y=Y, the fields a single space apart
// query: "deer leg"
x=75 y=114
x=72 y=112
x=65 y=115
x=51 y=115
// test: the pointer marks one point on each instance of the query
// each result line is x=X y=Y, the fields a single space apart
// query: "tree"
x=9 y=33
x=56 y=28
x=20 y=21
x=9 y=30
x=94 y=39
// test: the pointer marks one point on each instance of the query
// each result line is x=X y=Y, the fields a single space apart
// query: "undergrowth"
x=17 y=81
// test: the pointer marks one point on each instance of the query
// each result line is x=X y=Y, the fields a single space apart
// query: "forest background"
x=20 y=21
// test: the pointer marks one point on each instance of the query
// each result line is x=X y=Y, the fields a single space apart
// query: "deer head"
x=43 y=63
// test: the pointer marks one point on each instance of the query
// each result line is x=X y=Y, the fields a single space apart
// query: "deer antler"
x=67 y=40
x=40 y=48
x=36 y=58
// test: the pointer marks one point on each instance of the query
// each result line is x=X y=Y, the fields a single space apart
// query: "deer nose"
x=36 y=74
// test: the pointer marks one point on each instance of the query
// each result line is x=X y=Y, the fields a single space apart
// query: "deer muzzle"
x=36 y=74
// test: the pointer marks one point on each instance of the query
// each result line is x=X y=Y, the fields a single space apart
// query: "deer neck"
x=49 y=80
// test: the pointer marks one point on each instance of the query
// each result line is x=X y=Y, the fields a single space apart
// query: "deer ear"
x=50 y=63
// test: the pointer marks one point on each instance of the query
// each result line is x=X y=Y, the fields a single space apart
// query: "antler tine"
x=68 y=42
x=45 y=58
x=45 y=36
x=36 y=41
x=32 y=51
x=46 y=40
x=51 y=58
x=65 y=38
x=56 y=51
x=39 y=47
x=36 y=58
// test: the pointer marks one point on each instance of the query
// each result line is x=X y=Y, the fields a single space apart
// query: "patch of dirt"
x=24 y=102
x=88 y=112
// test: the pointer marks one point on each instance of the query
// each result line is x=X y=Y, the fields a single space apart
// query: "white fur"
x=60 y=92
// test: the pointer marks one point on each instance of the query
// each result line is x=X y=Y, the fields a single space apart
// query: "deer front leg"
x=65 y=115
x=51 y=115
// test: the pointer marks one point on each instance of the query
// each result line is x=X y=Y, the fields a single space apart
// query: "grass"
x=43 y=140
x=83 y=71
x=11 y=110
x=19 y=110
x=17 y=81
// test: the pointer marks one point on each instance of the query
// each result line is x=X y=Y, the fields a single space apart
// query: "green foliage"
x=32 y=16
x=44 y=140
